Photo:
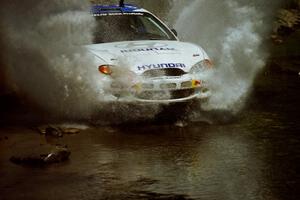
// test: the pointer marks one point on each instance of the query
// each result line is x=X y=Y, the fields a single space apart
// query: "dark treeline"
x=291 y=4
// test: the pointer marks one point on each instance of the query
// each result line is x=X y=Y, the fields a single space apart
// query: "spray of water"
x=44 y=59
x=42 y=55
x=232 y=33
x=47 y=62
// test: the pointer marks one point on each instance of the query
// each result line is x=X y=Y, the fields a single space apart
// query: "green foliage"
x=287 y=19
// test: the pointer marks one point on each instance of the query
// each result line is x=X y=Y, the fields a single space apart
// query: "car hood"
x=140 y=56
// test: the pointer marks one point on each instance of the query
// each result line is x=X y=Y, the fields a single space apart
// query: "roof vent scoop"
x=121 y=3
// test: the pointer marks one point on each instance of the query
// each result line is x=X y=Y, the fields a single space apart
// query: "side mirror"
x=175 y=32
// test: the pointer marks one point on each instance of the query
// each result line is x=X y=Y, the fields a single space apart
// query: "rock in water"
x=54 y=132
x=60 y=154
x=55 y=154
x=70 y=131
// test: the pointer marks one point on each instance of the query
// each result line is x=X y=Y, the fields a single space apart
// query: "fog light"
x=196 y=83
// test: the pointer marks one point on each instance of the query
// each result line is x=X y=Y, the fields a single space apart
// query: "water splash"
x=43 y=56
x=232 y=33
x=45 y=62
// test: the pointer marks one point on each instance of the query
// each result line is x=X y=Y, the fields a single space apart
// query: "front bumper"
x=200 y=96
x=162 y=90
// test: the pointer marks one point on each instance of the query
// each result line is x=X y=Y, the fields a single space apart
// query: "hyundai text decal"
x=161 y=66
x=147 y=49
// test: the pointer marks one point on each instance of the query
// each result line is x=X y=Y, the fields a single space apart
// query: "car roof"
x=106 y=9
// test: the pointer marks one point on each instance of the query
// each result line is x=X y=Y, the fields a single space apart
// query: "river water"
x=253 y=157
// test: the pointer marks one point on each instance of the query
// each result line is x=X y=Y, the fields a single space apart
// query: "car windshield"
x=130 y=27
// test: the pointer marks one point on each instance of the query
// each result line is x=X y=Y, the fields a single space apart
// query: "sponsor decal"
x=147 y=50
x=161 y=66
x=117 y=14
x=141 y=45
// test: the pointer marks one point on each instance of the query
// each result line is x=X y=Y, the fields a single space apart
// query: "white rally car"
x=141 y=59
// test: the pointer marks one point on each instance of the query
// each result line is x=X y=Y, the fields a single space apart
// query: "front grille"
x=147 y=86
x=165 y=95
x=153 y=73
x=169 y=86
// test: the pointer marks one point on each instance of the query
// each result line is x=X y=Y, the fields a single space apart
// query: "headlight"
x=105 y=69
x=201 y=66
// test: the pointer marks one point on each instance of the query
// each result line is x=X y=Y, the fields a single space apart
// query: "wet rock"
x=70 y=131
x=44 y=156
x=60 y=154
x=41 y=130
x=53 y=132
